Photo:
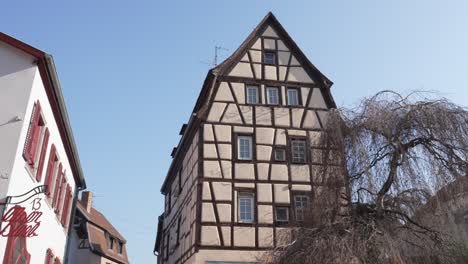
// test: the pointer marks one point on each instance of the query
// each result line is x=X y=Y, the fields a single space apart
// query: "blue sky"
x=132 y=70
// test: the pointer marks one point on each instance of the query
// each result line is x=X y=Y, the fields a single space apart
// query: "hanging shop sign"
x=16 y=221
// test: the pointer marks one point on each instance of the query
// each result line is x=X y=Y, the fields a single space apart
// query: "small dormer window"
x=110 y=242
x=269 y=57
x=120 y=247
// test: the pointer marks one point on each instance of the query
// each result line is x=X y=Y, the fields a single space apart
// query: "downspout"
x=70 y=224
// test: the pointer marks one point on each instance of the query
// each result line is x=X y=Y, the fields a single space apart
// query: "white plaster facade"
x=21 y=87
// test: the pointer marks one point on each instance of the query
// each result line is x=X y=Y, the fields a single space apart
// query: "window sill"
x=32 y=171
x=294 y=106
x=246 y=223
x=244 y=161
x=278 y=161
x=299 y=163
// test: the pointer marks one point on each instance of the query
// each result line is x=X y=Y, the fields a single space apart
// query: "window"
x=272 y=95
x=120 y=247
x=33 y=136
x=16 y=251
x=37 y=139
x=51 y=169
x=280 y=155
x=282 y=215
x=110 y=242
x=246 y=207
x=57 y=186
x=168 y=203
x=168 y=239
x=301 y=202
x=40 y=166
x=298 y=150
x=61 y=195
x=49 y=256
x=252 y=94
x=66 y=206
x=180 y=179
x=293 y=96
x=178 y=230
x=244 y=147
x=269 y=57
x=175 y=190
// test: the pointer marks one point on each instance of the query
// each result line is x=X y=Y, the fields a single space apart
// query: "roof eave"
x=66 y=121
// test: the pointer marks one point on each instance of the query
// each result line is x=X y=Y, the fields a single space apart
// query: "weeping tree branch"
x=398 y=153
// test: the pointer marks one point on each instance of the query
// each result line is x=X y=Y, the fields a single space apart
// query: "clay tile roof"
x=96 y=226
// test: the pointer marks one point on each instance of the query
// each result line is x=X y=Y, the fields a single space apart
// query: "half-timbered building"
x=249 y=161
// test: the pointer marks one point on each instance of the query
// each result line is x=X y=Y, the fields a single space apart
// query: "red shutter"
x=59 y=198
x=50 y=170
x=66 y=206
x=42 y=158
x=49 y=256
x=32 y=136
x=16 y=250
x=58 y=181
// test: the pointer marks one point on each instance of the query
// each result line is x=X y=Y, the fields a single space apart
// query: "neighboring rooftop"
x=100 y=230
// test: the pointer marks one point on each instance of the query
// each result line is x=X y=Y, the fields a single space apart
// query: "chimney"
x=87 y=200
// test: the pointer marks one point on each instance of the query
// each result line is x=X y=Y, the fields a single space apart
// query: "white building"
x=37 y=148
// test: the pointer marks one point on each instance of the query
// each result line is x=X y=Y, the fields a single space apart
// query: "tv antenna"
x=217 y=49
x=214 y=63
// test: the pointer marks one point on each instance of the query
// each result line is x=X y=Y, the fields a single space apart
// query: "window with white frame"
x=252 y=94
x=246 y=207
x=293 y=97
x=282 y=215
x=272 y=95
x=244 y=147
x=298 y=151
x=301 y=203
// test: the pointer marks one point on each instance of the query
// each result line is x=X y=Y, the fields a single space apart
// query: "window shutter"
x=33 y=135
x=63 y=181
x=66 y=206
x=60 y=203
x=42 y=158
x=49 y=256
x=58 y=179
x=50 y=170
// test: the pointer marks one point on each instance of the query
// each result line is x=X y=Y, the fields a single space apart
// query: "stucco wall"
x=17 y=73
x=20 y=88
x=80 y=255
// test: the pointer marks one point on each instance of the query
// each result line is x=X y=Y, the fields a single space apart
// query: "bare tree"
x=398 y=152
